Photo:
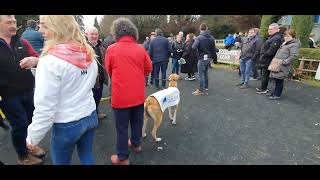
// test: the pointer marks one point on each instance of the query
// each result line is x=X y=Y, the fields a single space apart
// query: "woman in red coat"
x=127 y=64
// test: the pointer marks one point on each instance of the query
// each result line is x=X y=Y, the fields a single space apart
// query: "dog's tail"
x=146 y=113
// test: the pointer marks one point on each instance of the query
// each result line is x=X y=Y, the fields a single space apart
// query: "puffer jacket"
x=269 y=49
x=288 y=52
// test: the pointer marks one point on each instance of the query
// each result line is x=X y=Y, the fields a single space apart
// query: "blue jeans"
x=65 y=136
x=278 y=88
x=123 y=116
x=175 y=66
x=245 y=68
x=19 y=111
x=203 y=74
x=157 y=66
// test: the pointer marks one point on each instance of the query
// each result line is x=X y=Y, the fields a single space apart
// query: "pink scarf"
x=72 y=54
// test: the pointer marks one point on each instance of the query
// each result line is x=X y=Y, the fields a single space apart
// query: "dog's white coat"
x=167 y=97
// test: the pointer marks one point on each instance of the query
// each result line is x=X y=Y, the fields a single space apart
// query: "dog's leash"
x=161 y=79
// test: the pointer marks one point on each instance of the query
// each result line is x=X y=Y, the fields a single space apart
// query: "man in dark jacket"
x=33 y=36
x=249 y=48
x=159 y=51
x=102 y=78
x=267 y=52
x=16 y=87
x=205 y=45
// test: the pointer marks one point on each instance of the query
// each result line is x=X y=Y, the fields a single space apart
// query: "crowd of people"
x=273 y=58
x=72 y=68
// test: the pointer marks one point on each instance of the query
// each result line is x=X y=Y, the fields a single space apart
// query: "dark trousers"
x=123 y=116
x=278 y=88
x=97 y=95
x=190 y=75
x=163 y=67
x=151 y=77
x=19 y=110
x=264 y=78
x=254 y=70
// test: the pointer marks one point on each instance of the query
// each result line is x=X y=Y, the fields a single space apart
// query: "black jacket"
x=177 y=49
x=191 y=57
x=269 y=49
x=13 y=79
x=205 y=44
x=102 y=77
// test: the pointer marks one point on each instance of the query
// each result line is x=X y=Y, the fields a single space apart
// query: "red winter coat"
x=127 y=64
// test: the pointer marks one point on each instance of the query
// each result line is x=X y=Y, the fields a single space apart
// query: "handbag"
x=275 y=65
x=182 y=61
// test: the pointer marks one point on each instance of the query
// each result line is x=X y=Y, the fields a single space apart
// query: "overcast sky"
x=88 y=20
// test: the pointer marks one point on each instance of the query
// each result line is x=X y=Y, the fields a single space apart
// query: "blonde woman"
x=63 y=98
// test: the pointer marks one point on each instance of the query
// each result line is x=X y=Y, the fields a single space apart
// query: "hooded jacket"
x=205 y=44
x=63 y=89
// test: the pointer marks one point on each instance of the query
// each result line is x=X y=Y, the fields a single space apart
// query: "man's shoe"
x=137 y=149
x=206 y=92
x=239 y=84
x=273 y=97
x=116 y=161
x=38 y=152
x=197 y=93
x=269 y=94
x=101 y=115
x=29 y=160
x=187 y=78
x=244 y=86
x=259 y=91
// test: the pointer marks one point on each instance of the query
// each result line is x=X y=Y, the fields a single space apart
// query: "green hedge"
x=308 y=53
x=311 y=53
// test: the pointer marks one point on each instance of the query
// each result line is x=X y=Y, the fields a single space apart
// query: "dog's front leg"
x=175 y=115
x=170 y=113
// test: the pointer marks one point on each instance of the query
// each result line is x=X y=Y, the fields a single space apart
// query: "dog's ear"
x=170 y=77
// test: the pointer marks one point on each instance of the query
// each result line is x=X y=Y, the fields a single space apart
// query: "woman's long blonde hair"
x=64 y=29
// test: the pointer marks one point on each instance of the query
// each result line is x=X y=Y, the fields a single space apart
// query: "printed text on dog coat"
x=167 y=97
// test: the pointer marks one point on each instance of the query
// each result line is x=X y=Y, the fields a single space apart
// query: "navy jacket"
x=159 y=49
x=205 y=44
x=35 y=38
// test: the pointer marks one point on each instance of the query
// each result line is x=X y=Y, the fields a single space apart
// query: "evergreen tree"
x=303 y=26
x=79 y=19
x=265 y=22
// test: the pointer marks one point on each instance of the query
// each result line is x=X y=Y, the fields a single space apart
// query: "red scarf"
x=72 y=54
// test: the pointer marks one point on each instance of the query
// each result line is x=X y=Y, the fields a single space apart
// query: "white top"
x=63 y=93
x=167 y=97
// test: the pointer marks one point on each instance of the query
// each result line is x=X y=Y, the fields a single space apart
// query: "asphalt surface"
x=230 y=126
